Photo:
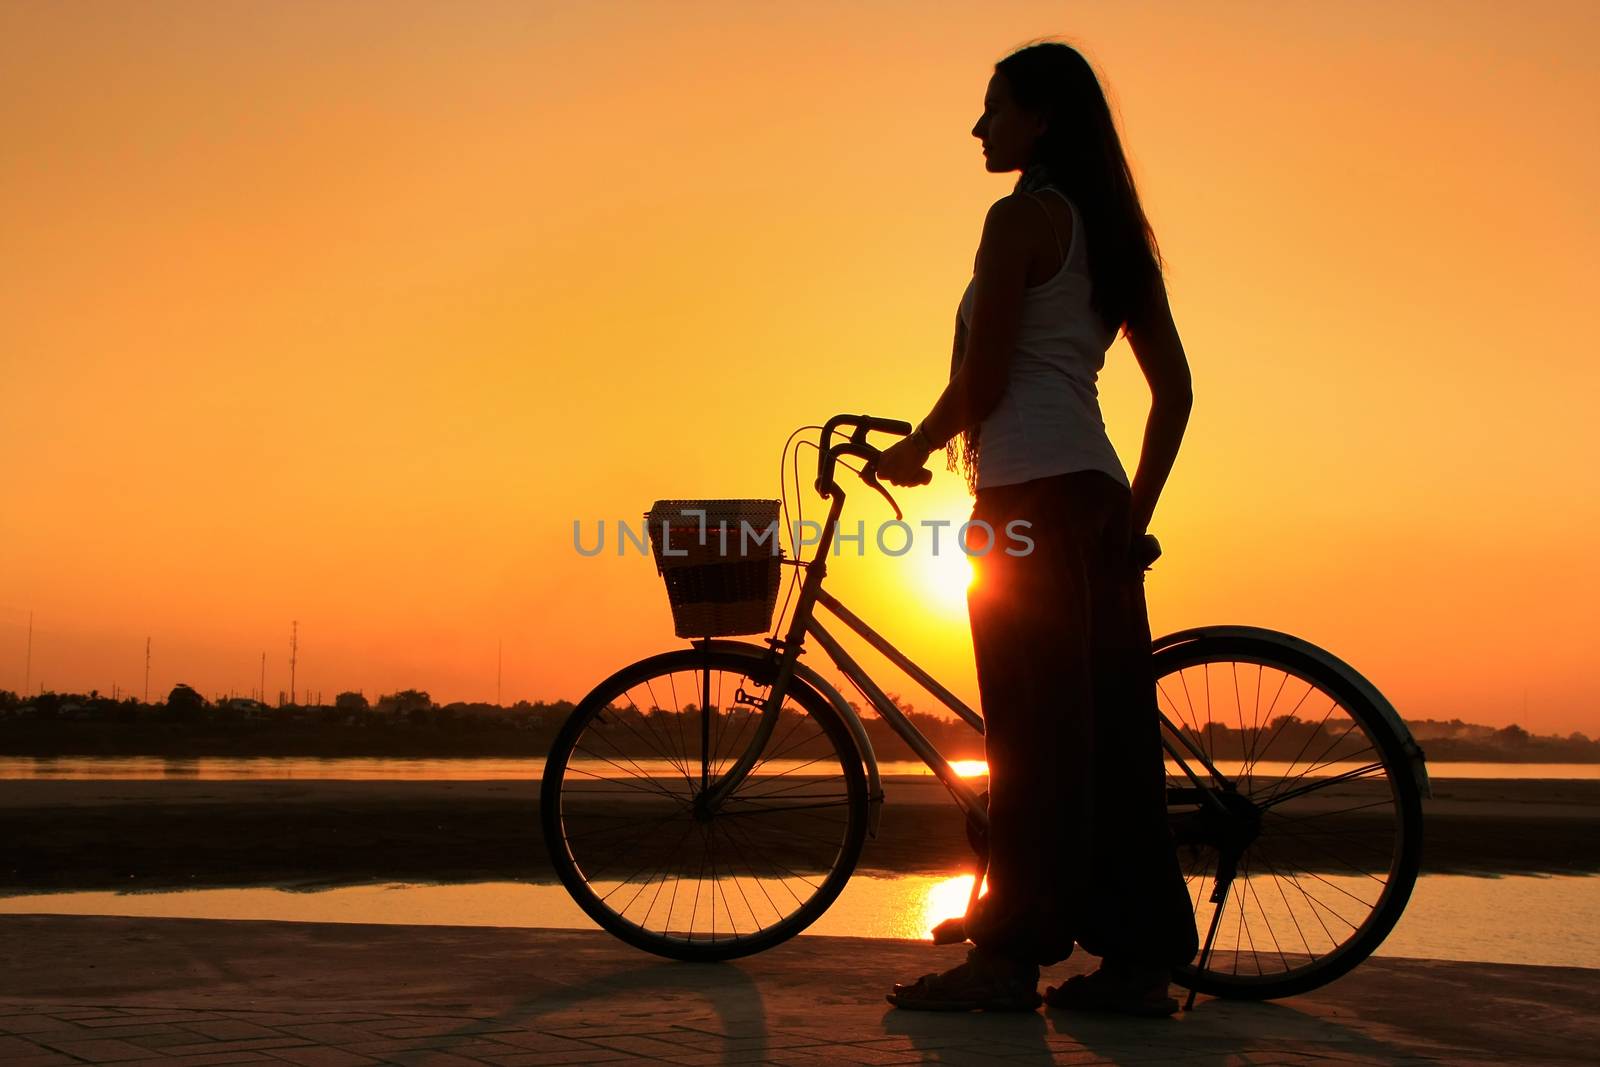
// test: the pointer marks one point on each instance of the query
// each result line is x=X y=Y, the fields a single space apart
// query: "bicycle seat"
x=1146 y=550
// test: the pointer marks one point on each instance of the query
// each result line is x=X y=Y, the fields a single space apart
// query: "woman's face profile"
x=1008 y=133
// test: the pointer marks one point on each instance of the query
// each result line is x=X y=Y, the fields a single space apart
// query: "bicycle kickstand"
x=1219 y=897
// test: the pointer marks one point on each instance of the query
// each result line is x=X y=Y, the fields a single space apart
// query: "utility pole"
x=263 y=677
x=294 y=648
x=499 y=662
x=147 y=670
x=27 y=670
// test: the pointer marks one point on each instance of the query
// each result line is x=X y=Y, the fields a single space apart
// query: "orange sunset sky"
x=343 y=313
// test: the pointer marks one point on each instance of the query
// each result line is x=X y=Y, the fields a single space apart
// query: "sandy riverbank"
x=133 y=835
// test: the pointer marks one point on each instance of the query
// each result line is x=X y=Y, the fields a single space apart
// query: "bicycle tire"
x=660 y=813
x=1289 y=845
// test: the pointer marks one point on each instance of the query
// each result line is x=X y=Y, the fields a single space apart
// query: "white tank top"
x=1048 y=420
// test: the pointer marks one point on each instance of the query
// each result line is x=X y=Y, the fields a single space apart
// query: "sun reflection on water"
x=945 y=899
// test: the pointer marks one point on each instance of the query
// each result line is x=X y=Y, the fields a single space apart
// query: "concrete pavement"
x=201 y=992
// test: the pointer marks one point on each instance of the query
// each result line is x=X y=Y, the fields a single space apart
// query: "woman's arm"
x=1000 y=279
x=1154 y=337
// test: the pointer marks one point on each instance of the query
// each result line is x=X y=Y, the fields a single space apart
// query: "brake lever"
x=869 y=474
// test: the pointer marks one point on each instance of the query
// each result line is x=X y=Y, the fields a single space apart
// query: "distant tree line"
x=406 y=723
x=409 y=723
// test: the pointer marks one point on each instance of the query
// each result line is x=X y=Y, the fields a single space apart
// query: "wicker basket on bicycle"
x=721 y=562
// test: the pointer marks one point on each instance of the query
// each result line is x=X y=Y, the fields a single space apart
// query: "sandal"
x=1102 y=992
x=980 y=984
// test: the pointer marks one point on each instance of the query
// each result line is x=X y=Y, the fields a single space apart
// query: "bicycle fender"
x=852 y=721
x=1419 y=767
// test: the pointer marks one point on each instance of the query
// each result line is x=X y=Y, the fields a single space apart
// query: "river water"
x=221 y=768
x=1518 y=919
x=1512 y=919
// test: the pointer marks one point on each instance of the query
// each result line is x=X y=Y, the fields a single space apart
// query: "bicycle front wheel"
x=661 y=871
x=1309 y=865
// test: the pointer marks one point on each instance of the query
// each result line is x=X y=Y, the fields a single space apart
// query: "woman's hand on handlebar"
x=902 y=463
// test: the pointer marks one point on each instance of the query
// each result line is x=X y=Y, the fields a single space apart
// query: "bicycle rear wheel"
x=1319 y=845
x=653 y=867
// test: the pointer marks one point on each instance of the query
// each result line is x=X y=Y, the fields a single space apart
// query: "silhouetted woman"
x=1079 y=849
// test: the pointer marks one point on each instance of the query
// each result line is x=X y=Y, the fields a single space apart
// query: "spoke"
x=630 y=824
x=718 y=724
x=1320 y=760
x=776 y=911
x=730 y=828
x=1194 y=730
x=593 y=876
x=1246 y=751
x=1312 y=735
x=1353 y=835
x=1194 y=713
x=769 y=809
x=1342 y=811
x=1244 y=907
x=621 y=719
x=748 y=906
x=705 y=733
x=650 y=783
x=645 y=921
x=749 y=717
x=1287 y=907
x=1359 y=870
x=727 y=909
x=1255 y=722
x=682 y=762
x=1278 y=948
x=798 y=784
x=777 y=746
x=699 y=878
x=790 y=787
x=627 y=881
x=1368 y=905
x=622 y=786
x=1277 y=798
x=646 y=884
x=1237 y=932
x=1283 y=720
x=678 y=712
x=1312 y=903
x=664 y=743
x=833 y=840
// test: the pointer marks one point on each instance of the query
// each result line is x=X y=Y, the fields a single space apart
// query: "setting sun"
x=943 y=579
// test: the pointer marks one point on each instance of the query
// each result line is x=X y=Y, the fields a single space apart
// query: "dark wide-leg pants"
x=1079 y=847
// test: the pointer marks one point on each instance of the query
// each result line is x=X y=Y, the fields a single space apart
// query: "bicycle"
x=738 y=766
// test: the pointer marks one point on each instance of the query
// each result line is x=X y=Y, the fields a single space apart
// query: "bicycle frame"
x=804 y=622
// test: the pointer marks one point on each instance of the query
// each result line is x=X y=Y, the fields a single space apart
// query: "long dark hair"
x=1083 y=156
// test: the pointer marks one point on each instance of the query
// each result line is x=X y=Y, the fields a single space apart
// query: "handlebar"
x=1146 y=549
x=856 y=445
